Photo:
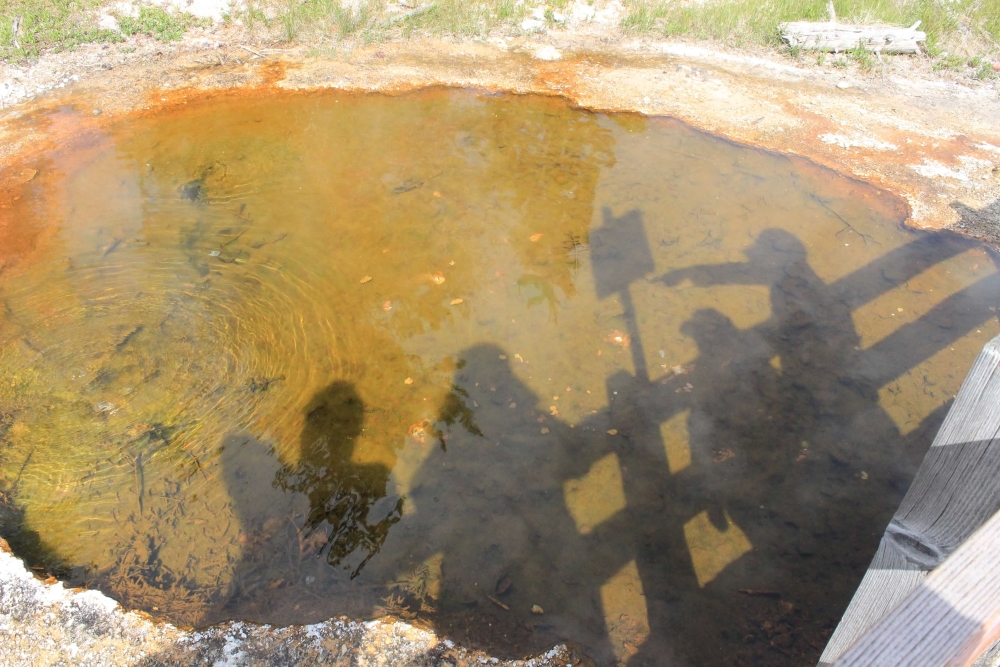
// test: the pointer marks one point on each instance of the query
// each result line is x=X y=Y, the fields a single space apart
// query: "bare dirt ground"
x=929 y=137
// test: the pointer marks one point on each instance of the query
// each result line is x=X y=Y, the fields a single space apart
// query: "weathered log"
x=954 y=492
x=837 y=37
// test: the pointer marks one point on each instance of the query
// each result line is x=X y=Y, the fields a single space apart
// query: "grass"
x=59 y=25
x=962 y=35
x=371 y=21
x=974 y=24
x=864 y=58
x=159 y=23
x=754 y=22
x=977 y=67
x=48 y=25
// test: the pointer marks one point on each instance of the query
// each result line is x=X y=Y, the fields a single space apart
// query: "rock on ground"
x=46 y=624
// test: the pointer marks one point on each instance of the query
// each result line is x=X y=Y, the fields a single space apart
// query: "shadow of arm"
x=708 y=275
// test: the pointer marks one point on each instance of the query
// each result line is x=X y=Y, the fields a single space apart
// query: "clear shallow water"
x=450 y=355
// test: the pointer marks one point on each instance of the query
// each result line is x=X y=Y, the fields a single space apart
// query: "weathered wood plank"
x=951 y=618
x=838 y=37
x=956 y=489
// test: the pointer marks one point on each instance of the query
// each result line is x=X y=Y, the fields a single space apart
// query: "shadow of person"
x=793 y=423
x=809 y=326
x=490 y=542
x=322 y=505
x=734 y=433
x=812 y=340
x=701 y=450
x=341 y=493
x=264 y=532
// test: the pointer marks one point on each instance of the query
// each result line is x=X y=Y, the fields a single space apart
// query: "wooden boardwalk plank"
x=955 y=491
x=951 y=618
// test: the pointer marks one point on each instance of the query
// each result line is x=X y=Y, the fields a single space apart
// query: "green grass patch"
x=166 y=26
x=976 y=66
x=469 y=19
x=373 y=21
x=950 y=62
x=863 y=58
x=29 y=28
x=48 y=25
x=328 y=17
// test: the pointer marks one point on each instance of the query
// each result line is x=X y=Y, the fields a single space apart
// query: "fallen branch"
x=848 y=227
x=256 y=53
x=760 y=592
x=498 y=603
x=837 y=37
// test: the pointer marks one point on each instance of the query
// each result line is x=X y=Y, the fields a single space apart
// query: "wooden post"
x=955 y=491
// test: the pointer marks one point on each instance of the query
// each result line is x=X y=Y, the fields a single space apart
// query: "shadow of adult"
x=793 y=423
x=510 y=568
x=310 y=525
x=341 y=493
x=703 y=451
x=783 y=421
x=812 y=338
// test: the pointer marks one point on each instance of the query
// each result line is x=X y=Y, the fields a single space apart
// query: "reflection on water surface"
x=527 y=373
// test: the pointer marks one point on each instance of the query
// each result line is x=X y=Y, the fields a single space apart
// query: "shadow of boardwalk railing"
x=747 y=514
x=823 y=403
